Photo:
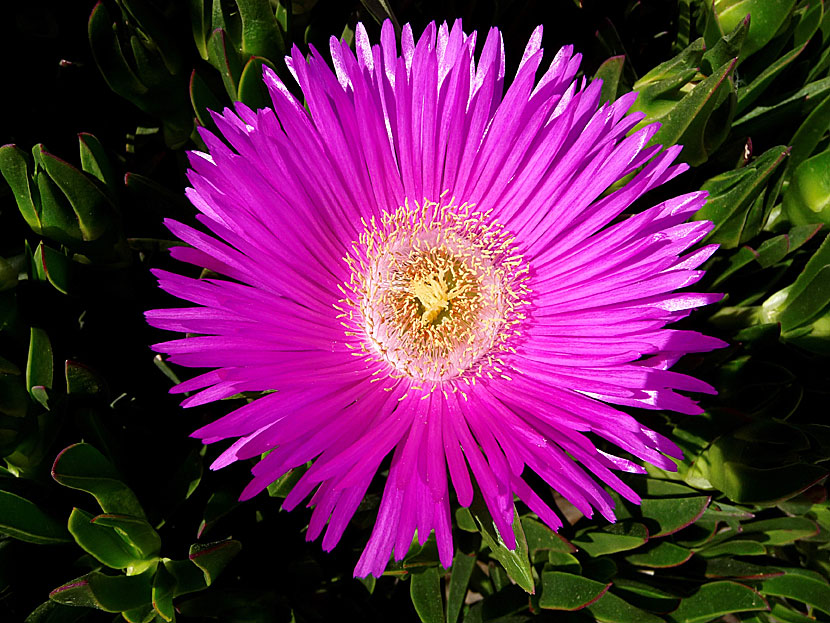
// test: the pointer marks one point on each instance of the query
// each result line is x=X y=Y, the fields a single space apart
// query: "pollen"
x=437 y=291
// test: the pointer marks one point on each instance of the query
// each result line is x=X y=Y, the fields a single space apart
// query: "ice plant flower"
x=424 y=265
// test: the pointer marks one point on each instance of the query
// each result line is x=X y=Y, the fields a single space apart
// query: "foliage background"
x=740 y=533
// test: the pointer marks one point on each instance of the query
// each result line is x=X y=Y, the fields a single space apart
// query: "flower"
x=423 y=264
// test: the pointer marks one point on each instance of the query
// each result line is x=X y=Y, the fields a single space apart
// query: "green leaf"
x=53 y=612
x=796 y=304
x=613 y=609
x=540 y=537
x=81 y=380
x=203 y=100
x=727 y=47
x=91 y=206
x=732 y=196
x=39 y=365
x=23 y=520
x=767 y=17
x=55 y=266
x=425 y=592
x=224 y=58
x=462 y=569
x=108 y=54
x=609 y=72
x=618 y=537
x=189 y=578
x=111 y=593
x=81 y=466
x=139 y=535
x=644 y=595
x=702 y=119
x=382 y=10
x=809 y=590
x=673 y=514
x=565 y=591
x=94 y=160
x=734 y=548
x=16 y=168
x=164 y=586
x=252 y=90
x=212 y=558
x=780 y=531
x=515 y=561
x=561 y=561
x=261 y=35
x=731 y=568
x=716 y=599
x=805 y=29
x=102 y=542
x=807 y=198
x=661 y=555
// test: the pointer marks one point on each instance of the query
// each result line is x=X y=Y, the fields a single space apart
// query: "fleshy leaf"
x=81 y=466
x=565 y=591
x=22 y=519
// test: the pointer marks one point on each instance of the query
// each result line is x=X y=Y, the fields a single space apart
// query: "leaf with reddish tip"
x=715 y=599
x=111 y=593
x=661 y=555
x=81 y=466
x=565 y=591
x=212 y=558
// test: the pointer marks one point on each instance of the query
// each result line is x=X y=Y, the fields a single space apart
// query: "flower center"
x=436 y=291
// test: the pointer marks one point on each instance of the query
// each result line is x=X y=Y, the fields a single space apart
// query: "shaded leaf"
x=81 y=466
x=22 y=519
x=425 y=592
x=715 y=599
x=565 y=591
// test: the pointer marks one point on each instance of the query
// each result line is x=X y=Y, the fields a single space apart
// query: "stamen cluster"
x=437 y=291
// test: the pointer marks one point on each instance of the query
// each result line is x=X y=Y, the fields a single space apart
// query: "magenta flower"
x=425 y=265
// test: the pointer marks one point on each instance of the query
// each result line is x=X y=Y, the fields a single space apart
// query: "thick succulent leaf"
x=111 y=593
x=733 y=199
x=109 y=56
x=795 y=305
x=462 y=569
x=39 y=365
x=660 y=555
x=81 y=380
x=212 y=558
x=767 y=17
x=100 y=541
x=425 y=592
x=81 y=466
x=24 y=520
x=809 y=590
x=673 y=514
x=807 y=199
x=725 y=567
x=140 y=536
x=224 y=58
x=261 y=34
x=163 y=591
x=565 y=591
x=515 y=561
x=715 y=599
x=16 y=168
x=610 y=72
x=613 y=609
x=619 y=537
x=252 y=89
